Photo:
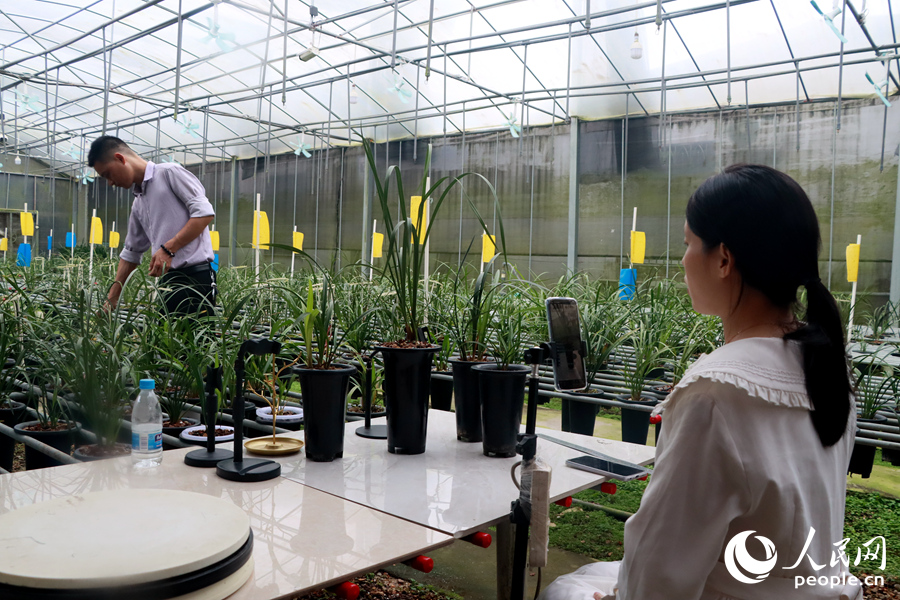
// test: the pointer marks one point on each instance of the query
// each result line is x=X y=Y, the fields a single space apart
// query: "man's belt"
x=192 y=269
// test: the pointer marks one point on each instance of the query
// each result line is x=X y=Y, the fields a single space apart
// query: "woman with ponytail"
x=746 y=501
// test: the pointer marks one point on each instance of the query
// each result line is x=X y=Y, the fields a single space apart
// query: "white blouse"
x=738 y=453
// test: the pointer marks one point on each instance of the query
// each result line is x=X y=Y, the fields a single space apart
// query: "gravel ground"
x=19 y=458
x=889 y=591
x=383 y=586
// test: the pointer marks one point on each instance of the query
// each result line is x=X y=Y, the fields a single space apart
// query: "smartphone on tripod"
x=567 y=348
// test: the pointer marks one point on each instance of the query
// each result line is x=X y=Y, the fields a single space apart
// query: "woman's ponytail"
x=824 y=363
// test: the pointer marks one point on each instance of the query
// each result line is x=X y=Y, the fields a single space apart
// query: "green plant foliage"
x=866 y=516
x=595 y=533
x=404 y=256
x=876 y=388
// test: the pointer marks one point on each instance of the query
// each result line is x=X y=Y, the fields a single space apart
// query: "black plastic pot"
x=502 y=399
x=289 y=426
x=863 y=457
x=636 y=423
x=579 y=417
x=891 y=456
x=83 y=456
x=176 y=431
x=407 y=386
x=254 y=399
x=324 y=404
x=61 y=440
x=656 y=373
x=468 y=400
x=249 y=408
x=441 y=392
x=356 y=415
x=10 y=413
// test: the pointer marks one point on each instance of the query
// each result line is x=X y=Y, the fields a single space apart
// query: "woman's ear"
x=725 y=261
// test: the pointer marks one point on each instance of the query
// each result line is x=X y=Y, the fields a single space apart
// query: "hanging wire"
x=205 y=138
x=105 y=82
x=887 y=64
x=394 y=38
x=284 y=62
x=662 y=89
x=797 y=107
x=328 y=135
x=178 y=60
x=462 y=169
x=340 y=212
x=831 y=218
x=522 y=114
x=840 y=91
x=416 y=122
x=727 y=45
x=430 y=29
x=747 y=113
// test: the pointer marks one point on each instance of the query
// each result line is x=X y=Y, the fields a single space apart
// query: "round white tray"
x=117 y=538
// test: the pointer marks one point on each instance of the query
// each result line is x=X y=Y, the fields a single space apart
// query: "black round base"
x=172 y=587
x=206 y=459
x=499 y=454
x=249 y=469
x=373 y=432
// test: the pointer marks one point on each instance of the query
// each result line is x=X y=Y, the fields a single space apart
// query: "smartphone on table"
x=609 y=468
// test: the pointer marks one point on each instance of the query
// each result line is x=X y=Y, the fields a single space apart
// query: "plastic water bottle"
x=146 y=427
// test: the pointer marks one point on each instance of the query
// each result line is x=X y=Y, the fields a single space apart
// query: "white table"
x=452 y=487
x=304 y=539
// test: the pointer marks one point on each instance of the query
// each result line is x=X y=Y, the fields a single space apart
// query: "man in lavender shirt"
x=170 y=215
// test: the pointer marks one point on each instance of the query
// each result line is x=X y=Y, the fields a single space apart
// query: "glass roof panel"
x=224 y=45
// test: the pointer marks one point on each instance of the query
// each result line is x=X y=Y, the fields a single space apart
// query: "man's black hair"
x=103 y=148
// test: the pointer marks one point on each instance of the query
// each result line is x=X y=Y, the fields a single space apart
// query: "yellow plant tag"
x=26 y=222
x=852 y=262
x=414 y=204
x=261 y=227
x=4 y=245
x=488 y=247
x=113 y=239
x=214 y=239
x=96 y=230
x=377 y=244
x=638 y=246
x=298 y=240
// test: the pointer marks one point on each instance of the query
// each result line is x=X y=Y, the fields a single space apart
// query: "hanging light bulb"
x=354 y=98
x=636 y=50
x=18 y=160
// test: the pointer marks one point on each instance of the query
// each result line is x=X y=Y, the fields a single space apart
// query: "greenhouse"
x=644 y=256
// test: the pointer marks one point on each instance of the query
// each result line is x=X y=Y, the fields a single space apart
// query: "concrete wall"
x=52 y=199
x=531 y=176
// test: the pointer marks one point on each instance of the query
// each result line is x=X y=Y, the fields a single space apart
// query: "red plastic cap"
x=480 y=539
x=565 y=502
x=655 y=419
x=347 y=590
x=644 y=478
x=421 y=563
x=608 y=487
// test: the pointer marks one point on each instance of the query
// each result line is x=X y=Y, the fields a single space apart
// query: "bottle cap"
x=147 y=384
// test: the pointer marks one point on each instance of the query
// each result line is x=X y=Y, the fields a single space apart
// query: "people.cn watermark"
x=747 y=569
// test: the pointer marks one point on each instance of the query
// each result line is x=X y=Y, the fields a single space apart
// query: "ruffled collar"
x=770 y=369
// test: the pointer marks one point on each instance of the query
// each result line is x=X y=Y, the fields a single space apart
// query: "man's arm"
x=122 y=273
x=161 y=259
